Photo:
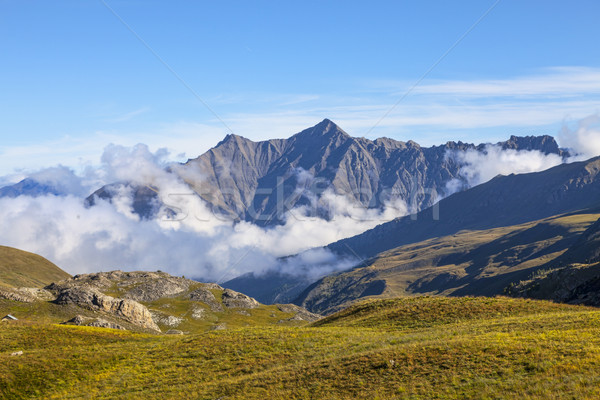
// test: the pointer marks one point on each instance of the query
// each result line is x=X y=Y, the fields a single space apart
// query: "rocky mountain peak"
x=325 y=129
x=546 y=144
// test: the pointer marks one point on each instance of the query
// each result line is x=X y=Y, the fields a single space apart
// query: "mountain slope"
x=572 y=278
x=485 y=238
x=261 y=181
x=481 y=262
x=29 y=187
x=19 y=268
x=503 y=201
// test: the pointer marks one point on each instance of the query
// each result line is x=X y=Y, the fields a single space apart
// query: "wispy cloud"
x=130 y=115
x=436 y=112
x=557 y=81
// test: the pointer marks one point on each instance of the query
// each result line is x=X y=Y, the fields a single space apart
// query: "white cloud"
x=194 y=242
x=558 y=81
x=481 y=166
x=584 y=140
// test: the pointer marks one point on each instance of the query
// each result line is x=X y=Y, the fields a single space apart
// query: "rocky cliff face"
x=260 y=181
x=90 y=298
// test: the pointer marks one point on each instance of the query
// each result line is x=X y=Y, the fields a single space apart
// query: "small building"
x=9 y=318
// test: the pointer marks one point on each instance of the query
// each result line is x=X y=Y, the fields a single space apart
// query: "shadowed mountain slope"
x=485 y=239
x=503 y=201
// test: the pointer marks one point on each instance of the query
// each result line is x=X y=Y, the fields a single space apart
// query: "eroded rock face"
x=300 y=314
x=207 y=297
x=25 y=295
x=95 y=322
x=233 y=299
x=91 y=298
x=154 y=290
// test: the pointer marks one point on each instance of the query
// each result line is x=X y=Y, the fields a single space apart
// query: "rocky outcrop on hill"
x=80 y=320
x=158 y=301
x=90 y=298
x=233 y=299
x=25 y=295
x=207 y=297
x=300 y=314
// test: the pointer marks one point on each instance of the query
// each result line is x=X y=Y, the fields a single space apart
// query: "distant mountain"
x=145 y=200
x=503 y=201
x=260 y=181
x=501 y=225
x=30 y=187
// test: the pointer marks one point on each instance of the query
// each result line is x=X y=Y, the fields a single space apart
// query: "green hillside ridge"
x=19 y=268
x=470 y=262
x=469 y=348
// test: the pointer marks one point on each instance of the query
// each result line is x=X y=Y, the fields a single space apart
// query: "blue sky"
x=74 y=78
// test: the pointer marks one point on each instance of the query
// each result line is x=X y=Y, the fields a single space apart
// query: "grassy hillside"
x=465 y=348
x=470 y=262
x=19 y=268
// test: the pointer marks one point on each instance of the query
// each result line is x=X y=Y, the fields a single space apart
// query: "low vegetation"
x=19 y=268
x=426 y=347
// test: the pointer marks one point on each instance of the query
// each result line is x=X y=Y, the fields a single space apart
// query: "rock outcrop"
x=233 y=299
x=92 y=299
x=25 y=295
x=80 y=320
x=300 y=314
x=207 y=297
x=158 y=301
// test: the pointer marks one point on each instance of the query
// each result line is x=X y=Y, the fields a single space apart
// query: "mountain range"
x=260 y=181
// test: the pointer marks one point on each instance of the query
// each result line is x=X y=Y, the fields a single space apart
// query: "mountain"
x=261 y=181
x=587 y=248
x=145 y=199
x=503 y=201
x=484 y=239
x=21 y=268
x=30 y=187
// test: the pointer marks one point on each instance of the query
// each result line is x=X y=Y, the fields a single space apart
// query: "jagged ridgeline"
x=260 y=181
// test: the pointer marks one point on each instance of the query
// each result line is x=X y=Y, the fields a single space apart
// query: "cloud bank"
x=192 y=242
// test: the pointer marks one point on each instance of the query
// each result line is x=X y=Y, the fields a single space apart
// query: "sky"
x=76 y=76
